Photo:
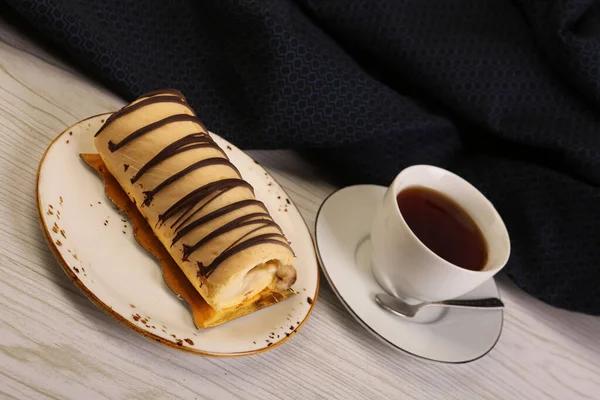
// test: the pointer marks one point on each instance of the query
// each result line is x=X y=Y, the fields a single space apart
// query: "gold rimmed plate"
x=94 y=244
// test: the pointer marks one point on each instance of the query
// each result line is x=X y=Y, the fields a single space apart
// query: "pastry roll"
x=196 y=201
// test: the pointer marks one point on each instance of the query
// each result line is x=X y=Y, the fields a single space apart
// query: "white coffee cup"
x=405 y=267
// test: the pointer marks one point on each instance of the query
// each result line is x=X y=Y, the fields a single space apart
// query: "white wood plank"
x=55 y=344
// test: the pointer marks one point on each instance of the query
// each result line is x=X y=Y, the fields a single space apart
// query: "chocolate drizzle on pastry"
x=244 y=220
x=151 y=93
x=215 y=214
x=142 y=103
x=246 y=244
x=174 y=178
x=189 y=142
x=184 y=212
x=149 y=128
x=190 y=200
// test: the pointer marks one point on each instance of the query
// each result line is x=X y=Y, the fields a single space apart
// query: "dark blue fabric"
x=504 y=93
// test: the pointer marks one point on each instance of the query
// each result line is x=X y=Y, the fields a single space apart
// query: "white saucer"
x=343 y=246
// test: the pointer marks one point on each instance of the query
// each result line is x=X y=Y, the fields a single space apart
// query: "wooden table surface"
x=55 y=344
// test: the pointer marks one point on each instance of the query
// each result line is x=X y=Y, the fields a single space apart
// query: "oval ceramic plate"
x=97 y=250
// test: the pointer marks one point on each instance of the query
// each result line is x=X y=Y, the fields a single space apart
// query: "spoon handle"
x=491 y=303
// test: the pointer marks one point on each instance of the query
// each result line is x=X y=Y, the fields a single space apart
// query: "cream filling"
x=270 y=273
x=248 y=285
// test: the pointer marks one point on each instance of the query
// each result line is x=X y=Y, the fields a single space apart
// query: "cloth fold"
x=504 y=93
